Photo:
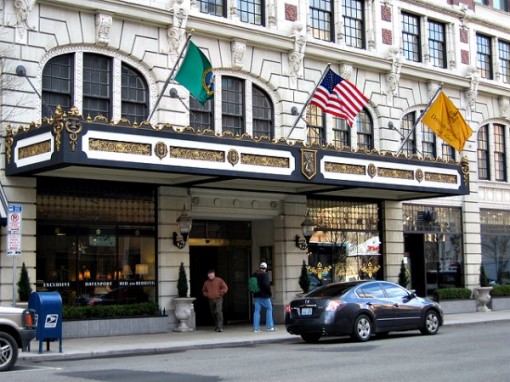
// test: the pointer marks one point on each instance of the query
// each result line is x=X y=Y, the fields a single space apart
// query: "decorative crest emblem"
x=309 y=163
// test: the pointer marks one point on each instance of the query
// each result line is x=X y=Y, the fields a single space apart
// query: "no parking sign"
x=14 y=230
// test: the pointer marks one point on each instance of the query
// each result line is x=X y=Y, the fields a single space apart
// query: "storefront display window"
x=495 y=229
x=108 y=260
x=433 y=246
x=346 y=243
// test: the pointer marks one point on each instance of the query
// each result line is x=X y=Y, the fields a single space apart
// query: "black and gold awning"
x=69 y=146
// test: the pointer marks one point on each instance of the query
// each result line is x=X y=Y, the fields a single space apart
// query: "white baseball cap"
x=263 y=265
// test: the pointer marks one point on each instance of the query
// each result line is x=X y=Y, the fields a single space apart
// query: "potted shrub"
x=403 y=276
x=500 y=297
x=304 y=279
x=183 y=303
x=455 y=300
x=24 y=288
x=482 y=293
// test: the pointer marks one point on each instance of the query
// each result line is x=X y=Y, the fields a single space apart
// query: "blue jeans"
x=265 y=303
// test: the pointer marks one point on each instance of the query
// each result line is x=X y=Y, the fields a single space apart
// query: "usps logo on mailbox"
x=51 y=321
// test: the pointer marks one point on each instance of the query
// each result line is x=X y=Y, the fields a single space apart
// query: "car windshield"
x=331 y=290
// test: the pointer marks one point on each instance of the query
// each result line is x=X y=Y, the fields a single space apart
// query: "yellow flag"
x=444 y=119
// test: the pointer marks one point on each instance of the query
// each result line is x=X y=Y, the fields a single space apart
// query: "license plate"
x=306 y=311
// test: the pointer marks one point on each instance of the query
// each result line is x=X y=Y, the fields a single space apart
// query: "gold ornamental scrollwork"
x=372 y=170
x=419 y=175
x=73 y=127
x=465 y=168
x=58 y=126
x=308 y=163
x=233 y=157
x=161 y=150
x=9 y=141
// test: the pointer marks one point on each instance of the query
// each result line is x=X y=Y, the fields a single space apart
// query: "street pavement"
x=203 y=338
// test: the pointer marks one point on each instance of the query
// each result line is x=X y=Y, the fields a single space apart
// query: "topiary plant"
x=403 y=276
x=182 y=282
x=304 y=279
x=24 y=288
x=484 y=281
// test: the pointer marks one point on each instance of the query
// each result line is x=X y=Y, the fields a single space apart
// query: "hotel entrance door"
x=232 y=264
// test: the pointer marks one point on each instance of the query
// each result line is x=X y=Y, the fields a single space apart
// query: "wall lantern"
x=308 y=228
x=184 y=224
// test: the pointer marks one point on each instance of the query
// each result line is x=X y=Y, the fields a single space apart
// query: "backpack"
x=253 y=284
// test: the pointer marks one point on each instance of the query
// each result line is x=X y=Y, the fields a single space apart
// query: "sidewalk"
x=83 y=348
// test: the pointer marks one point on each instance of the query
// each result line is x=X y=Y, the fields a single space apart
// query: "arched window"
x=244 y=108
x=365 y=129
x=262 y=114
x=232 y=96
x=59 y=87
x=316 y=125
x=483 y=153
x=135 y=98
x=499 y=153
x=341 y=133
x=57 y=84
x=422 y=140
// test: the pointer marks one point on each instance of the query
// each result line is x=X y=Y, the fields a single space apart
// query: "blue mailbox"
x=48 y=307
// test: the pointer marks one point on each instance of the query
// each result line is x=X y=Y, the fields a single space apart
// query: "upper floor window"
x=213 y=7
x=437 y=44
x=484 y=56
x=504 y=60
x=57 y=84
x=428 y=143
x=483 y=153
x=232 y=95
x=236 y=94
x=354 y=28
x=96 y=86
x=411 y=37
x=320 y=19
x=365 y=129
x=408 y=134
x=251 y=11
x=499 y=153
x=502 y=5
x=262 y=114
x=316 y=125
x=448 y=152
x=341 y=133
x=201 y=116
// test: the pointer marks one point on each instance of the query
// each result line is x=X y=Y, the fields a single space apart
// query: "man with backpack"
x=262 y=299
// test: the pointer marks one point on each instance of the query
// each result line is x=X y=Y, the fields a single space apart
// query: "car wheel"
x=431 y=323
x=362 y=328
x=8 y=351
x=311 y=338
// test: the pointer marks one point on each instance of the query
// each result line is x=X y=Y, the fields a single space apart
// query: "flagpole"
x=418 y=120
x=167 y=82
x=309 y=99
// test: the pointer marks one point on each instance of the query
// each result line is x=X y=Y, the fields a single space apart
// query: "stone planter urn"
x=482 y=296
x=183 y=308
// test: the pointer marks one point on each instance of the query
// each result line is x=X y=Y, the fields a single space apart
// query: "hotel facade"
x=111 y=164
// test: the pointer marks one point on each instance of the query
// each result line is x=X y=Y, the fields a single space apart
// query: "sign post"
x=14 y=241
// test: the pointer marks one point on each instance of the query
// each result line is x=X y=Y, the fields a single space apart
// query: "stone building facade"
x=111 y=64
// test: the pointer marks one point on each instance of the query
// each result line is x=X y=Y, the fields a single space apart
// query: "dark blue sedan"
x=360 y=309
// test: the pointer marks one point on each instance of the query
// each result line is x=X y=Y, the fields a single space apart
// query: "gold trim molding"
x=35 y=149
x=120 y=147
x=197 y=154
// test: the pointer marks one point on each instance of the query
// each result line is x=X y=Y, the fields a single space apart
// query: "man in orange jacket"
x=214 y=288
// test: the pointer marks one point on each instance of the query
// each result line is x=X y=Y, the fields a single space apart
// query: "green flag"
x=196 y=75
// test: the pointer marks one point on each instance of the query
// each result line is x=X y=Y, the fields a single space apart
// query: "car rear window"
x=330 y=290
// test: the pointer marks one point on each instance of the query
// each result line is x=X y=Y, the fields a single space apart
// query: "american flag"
x=335 y=95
